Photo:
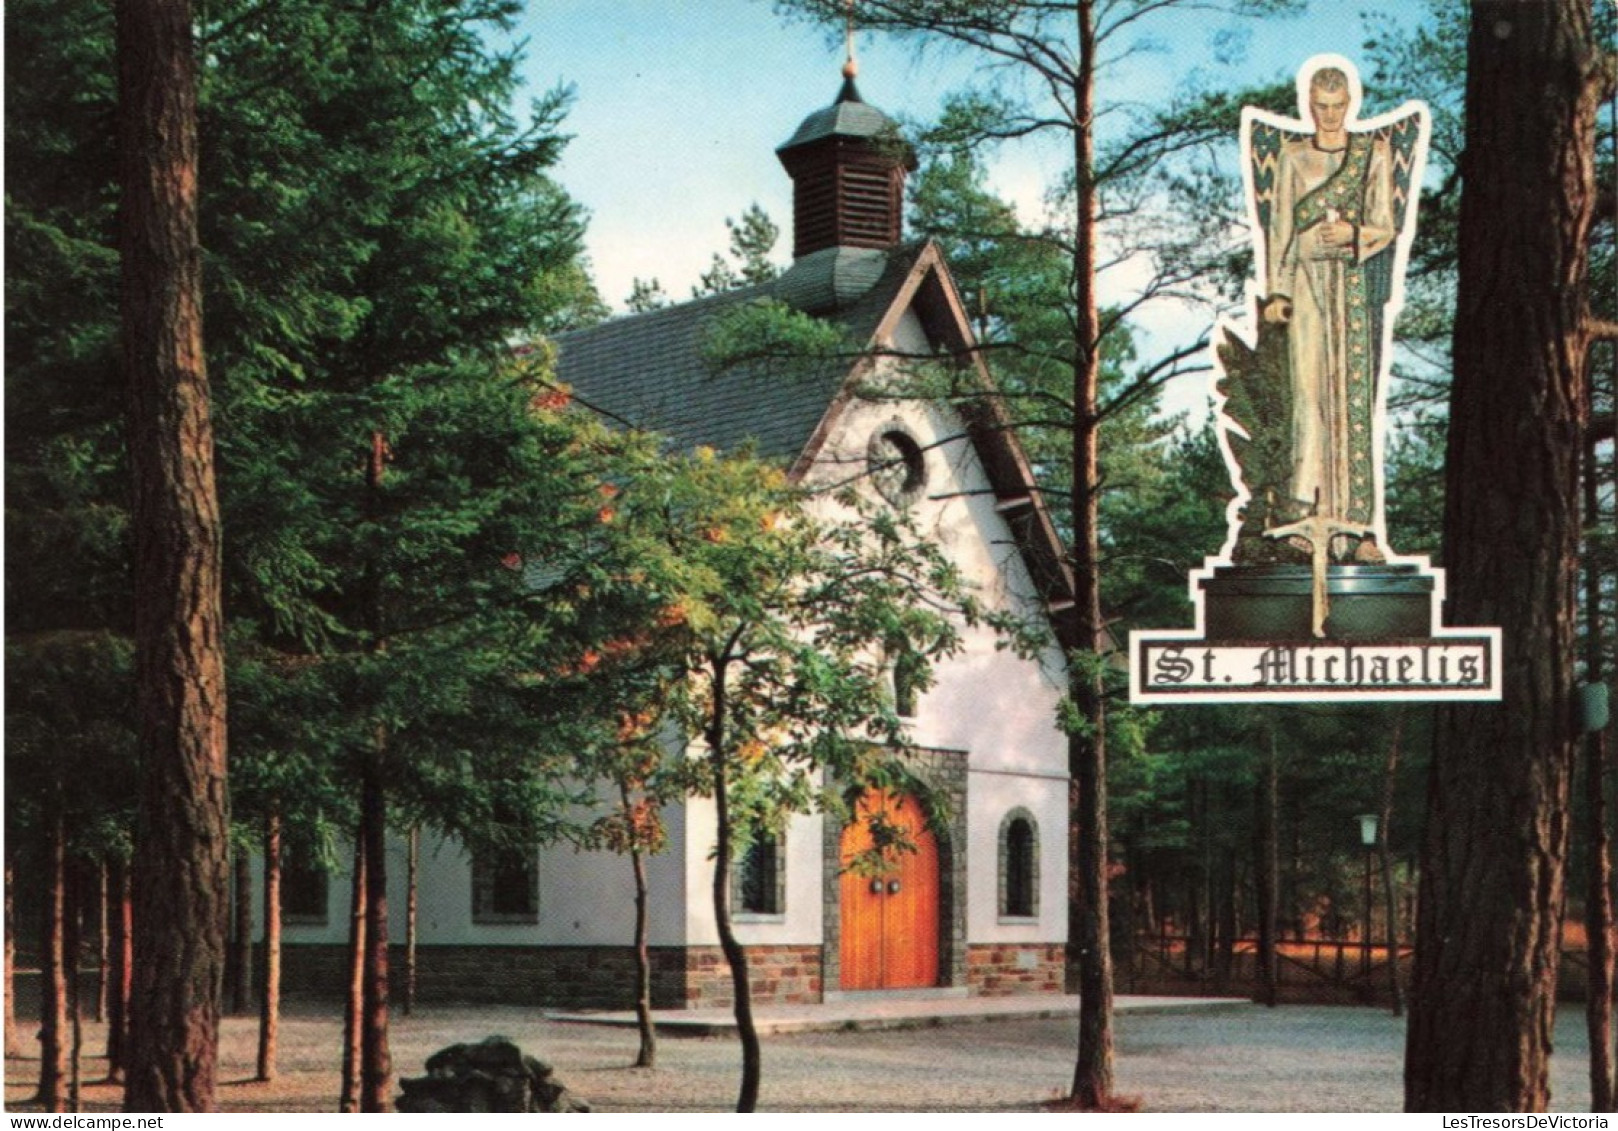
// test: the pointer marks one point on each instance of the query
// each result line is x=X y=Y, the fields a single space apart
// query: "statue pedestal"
x=1273 y=602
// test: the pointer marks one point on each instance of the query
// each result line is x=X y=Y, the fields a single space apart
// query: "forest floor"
x=1242 y=1058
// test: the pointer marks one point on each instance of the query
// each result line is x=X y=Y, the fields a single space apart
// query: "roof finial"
x=851 y=66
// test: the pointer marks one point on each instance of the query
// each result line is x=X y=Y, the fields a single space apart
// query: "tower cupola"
x=848 y=164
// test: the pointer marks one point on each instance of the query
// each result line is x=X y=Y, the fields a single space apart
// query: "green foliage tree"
x=67 y=494
x=377 y=227
x=1058 y=49
x=1068 y=366
x=752 y=240
x=646 y=295
x=70 y=785
x=773 y=639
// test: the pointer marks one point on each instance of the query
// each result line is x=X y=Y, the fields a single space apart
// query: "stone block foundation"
x=583 y=977
x=580 y=977
x=1004 y=969
x=780 y=975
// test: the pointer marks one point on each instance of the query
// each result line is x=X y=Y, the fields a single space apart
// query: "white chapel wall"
x=585 y=898
x=998 y=707
x=801 y=920
x=986 y=701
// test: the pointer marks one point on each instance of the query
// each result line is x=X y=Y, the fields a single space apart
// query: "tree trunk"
x=14 y=1044
x=1267 y=866
x=1199 y=943
x=1598 y=925
x=231 y=991
x=73 y=950
x=102 y=941
x=269 y=1016
x=735 y=954
x=1190 y=964
x=354 y=1007
x=646 y=1057
x=1294 y=898
x=1390 y=898
x=123 y=974
x=1492 y=883
x=376 y=1064
x=1125 y=919
x=1225 y=924
x=241 y=985
x=412 y=915
x=182 y=859
x=1089 y=942
x=53 y=1068
x=1598 y=909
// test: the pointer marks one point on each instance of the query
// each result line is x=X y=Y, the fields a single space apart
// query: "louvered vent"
x=870 y=207
x=814 y=211
x=848 y=178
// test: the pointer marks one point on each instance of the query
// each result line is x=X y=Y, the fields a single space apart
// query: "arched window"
x=1019 y=865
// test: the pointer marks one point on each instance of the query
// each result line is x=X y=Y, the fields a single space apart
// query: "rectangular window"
x=305 y=890
x=505 y=886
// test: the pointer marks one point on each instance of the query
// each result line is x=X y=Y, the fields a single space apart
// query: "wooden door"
x=890 y=921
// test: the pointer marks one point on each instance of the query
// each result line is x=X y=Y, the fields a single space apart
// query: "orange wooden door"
x=862 y=907
x=890 y=921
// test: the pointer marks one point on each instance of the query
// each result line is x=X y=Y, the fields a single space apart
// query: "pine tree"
x=1490 y=906
x=377 y=228
x=180 y=866
x=752 y=239
x=1057 y=48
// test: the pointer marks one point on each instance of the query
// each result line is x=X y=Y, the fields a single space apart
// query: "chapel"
x=980 y=908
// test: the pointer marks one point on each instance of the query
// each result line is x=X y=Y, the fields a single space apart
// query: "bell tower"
x=848 y=164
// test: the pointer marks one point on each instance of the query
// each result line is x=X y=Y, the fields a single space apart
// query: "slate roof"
x=647 y=371
x=849 y=116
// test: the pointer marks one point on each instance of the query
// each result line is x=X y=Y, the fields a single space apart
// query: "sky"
x=679 y=105
x=678 y=108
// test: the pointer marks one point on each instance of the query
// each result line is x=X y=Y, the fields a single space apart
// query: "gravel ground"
x=1234 y=1059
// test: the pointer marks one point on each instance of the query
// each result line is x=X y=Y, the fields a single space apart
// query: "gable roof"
x=648 y=371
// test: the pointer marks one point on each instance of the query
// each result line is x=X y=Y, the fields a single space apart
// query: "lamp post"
x=1368 y=823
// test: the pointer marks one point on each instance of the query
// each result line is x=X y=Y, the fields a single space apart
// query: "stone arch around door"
x=940 y=773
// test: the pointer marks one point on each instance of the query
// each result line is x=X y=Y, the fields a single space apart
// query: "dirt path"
x=1243 y=1059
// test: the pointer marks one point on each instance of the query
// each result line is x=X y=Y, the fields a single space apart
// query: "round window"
x=897 y=464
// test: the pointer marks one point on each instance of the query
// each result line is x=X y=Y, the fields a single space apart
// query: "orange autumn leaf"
x=551 y=400
x=634 y=724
